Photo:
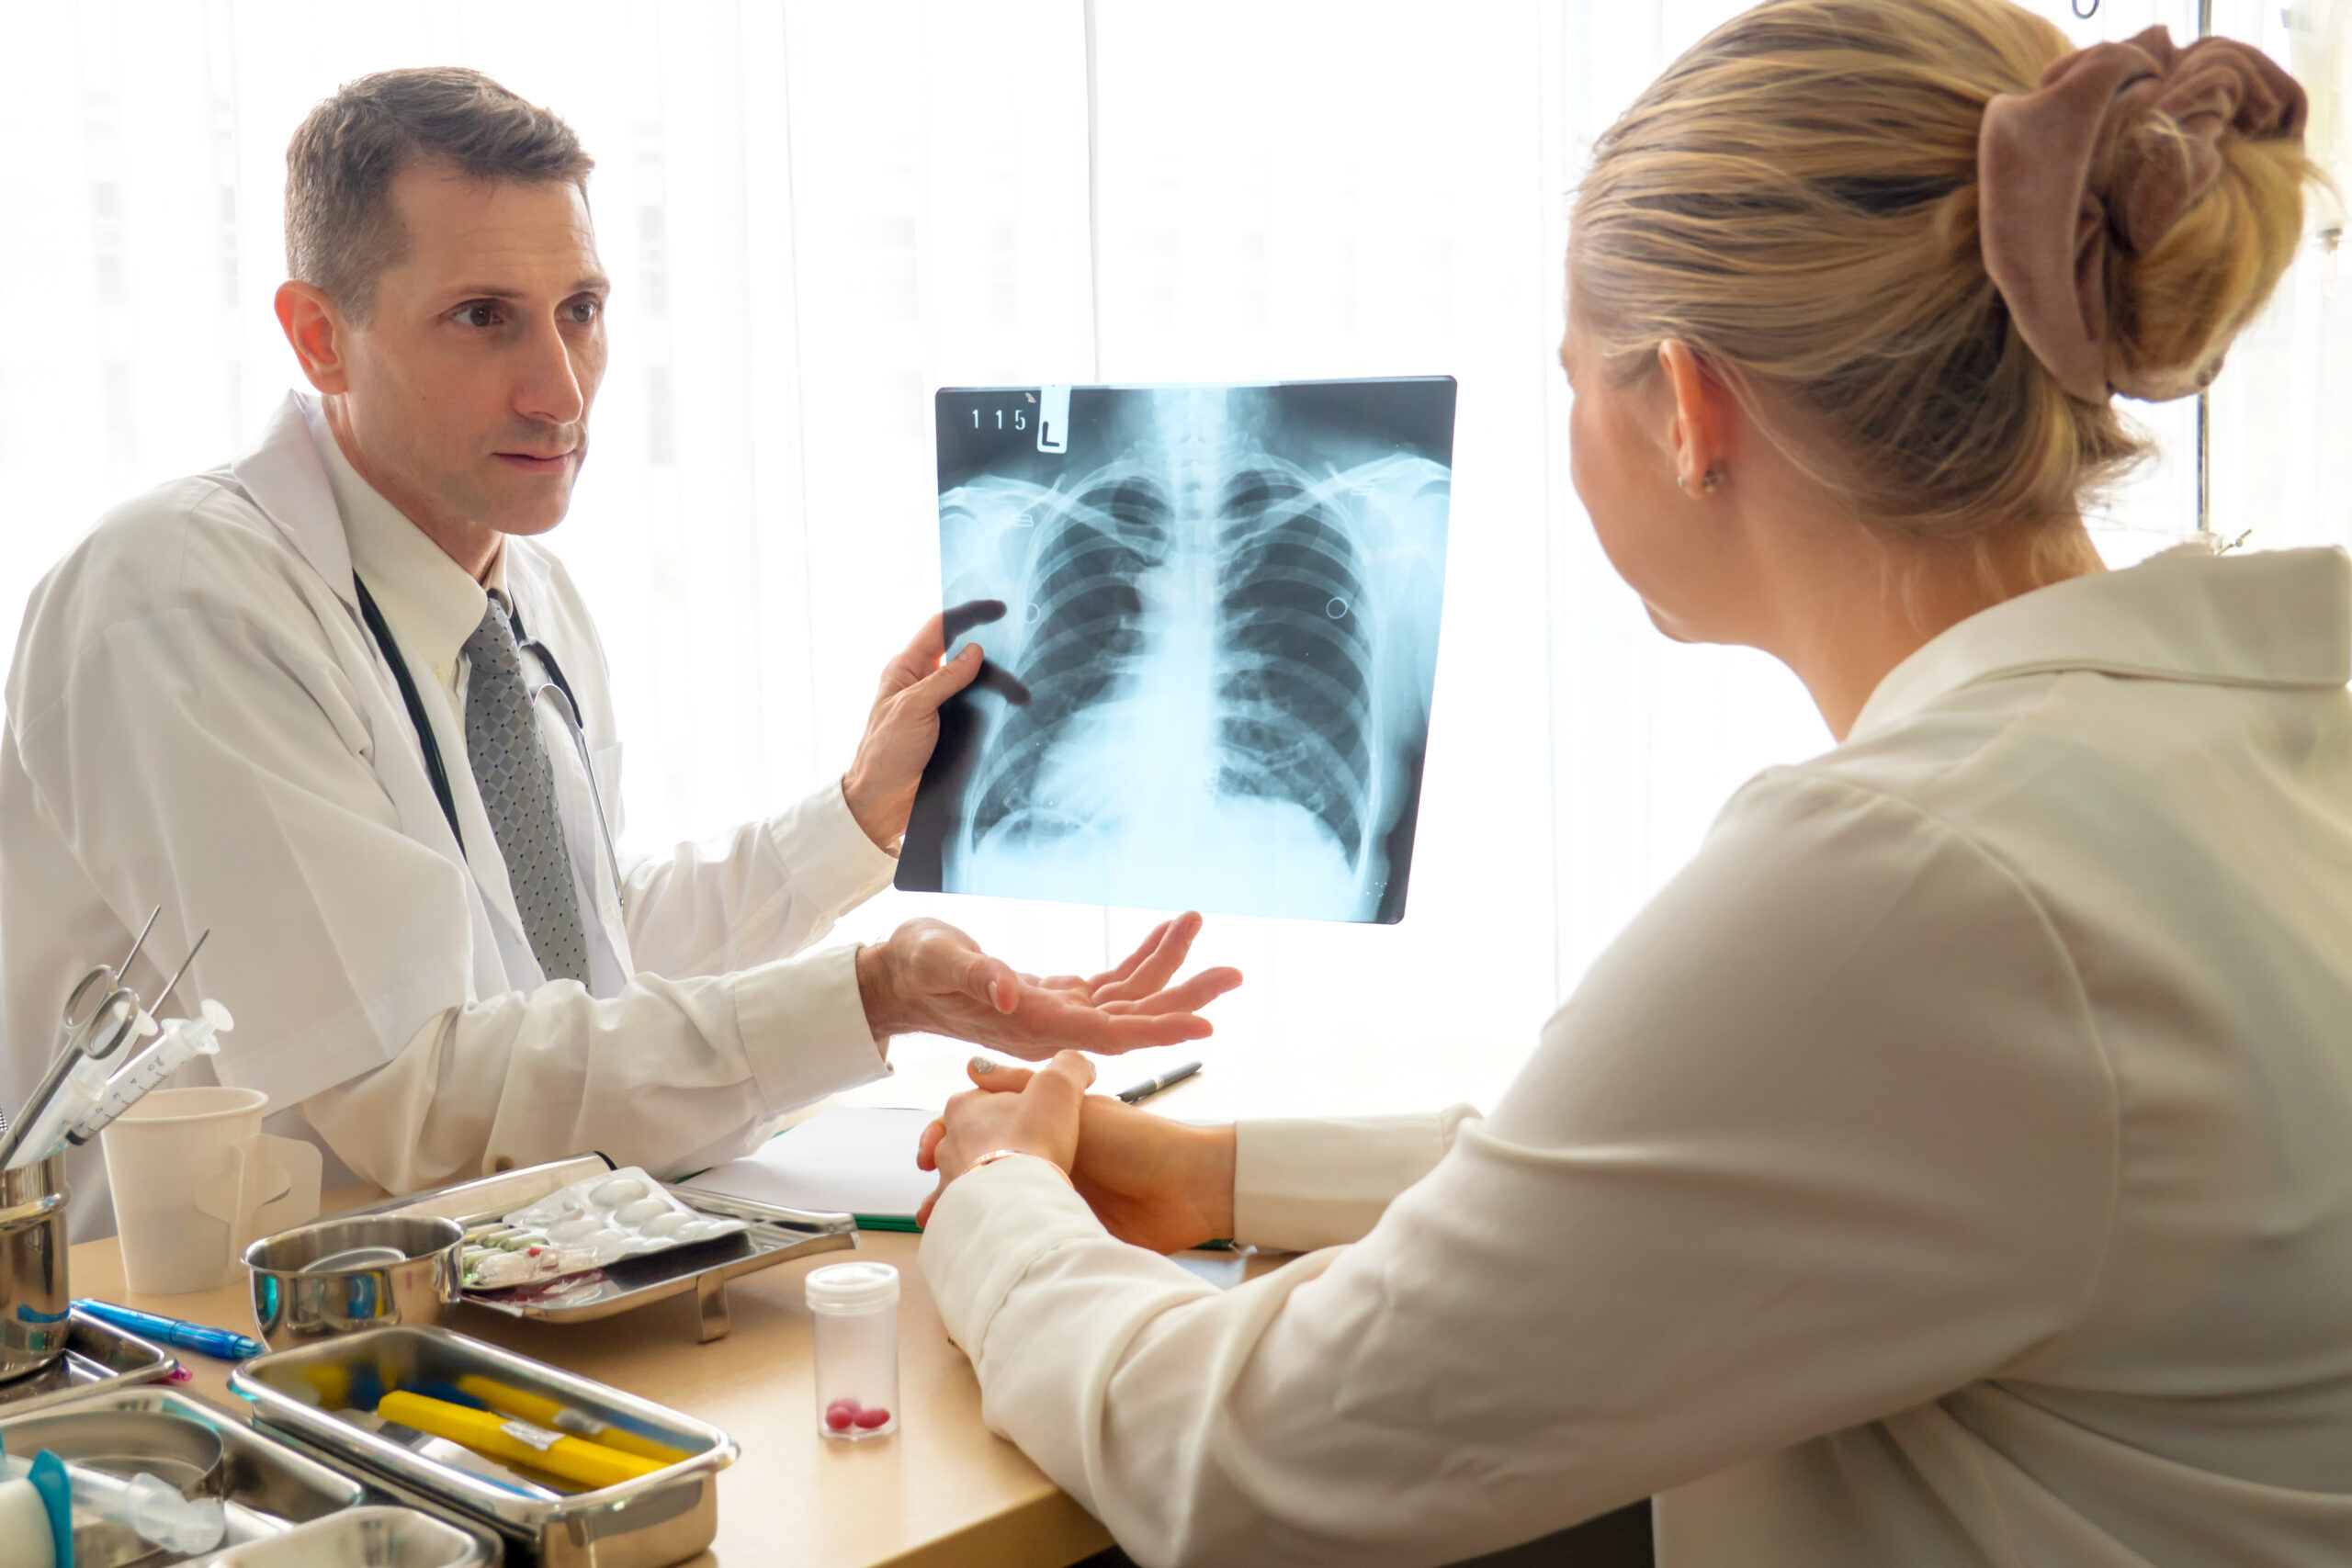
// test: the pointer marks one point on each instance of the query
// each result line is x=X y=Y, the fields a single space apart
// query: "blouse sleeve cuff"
x=1301 y=1185
x=988 y=1230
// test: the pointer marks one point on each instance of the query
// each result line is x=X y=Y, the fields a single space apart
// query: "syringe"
x=146 y=1506
x=185 y=1039
x=81 y=1086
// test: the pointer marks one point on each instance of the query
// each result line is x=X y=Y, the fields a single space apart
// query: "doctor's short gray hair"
x=341 y=232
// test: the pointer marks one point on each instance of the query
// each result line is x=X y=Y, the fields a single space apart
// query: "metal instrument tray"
x=771 y=1235
x=98 y=1356
x=265 y=1485
x=655 y=1519
x=369 y=1538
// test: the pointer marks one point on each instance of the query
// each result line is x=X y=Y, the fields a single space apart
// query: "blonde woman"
x=1953 y=1165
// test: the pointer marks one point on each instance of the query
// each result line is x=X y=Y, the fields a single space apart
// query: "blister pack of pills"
x=588 y=1224
x=498 y=1255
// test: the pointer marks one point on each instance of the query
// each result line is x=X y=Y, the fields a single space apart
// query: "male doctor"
x=336 y=704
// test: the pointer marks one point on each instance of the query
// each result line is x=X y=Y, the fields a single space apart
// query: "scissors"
x=100 y=1014
x=112 y=1009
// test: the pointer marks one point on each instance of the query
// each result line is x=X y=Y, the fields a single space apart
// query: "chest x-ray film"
x=1210 y=620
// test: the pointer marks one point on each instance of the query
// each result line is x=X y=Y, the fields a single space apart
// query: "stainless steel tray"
x=368 y=1538
x=771 y=1236
x=265 y=1485
x=656 y=1520
x=98 y=1356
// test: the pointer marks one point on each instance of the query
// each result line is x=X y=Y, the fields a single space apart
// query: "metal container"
x=487 y=1197
x=98 y=1356
x=771 y=1235
x=344 y=1275
x=124 y=1442
x=184 y=1455
x=368 y=1538
x=35 y=1327
x=265 y=1484
x=656 y=1520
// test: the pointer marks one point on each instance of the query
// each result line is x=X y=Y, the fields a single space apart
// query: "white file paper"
x=849 y=1159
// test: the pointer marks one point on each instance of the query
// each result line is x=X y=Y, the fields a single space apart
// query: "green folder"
x=886 y=1222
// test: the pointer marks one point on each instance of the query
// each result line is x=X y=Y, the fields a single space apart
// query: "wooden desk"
x=940 y=1493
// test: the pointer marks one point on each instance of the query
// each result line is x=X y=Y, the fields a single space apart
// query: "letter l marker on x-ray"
x=1053 y=418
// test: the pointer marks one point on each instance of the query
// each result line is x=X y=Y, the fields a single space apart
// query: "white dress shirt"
x=1951 y=1166
x=199 y=718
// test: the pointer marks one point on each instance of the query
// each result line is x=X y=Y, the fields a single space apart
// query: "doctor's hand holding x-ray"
x=335 y=702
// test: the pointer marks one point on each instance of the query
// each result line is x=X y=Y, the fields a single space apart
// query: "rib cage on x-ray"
x=1293 y=673
x=1227 y=650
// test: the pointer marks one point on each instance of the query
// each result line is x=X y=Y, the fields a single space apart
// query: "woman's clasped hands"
x=1152 y=1182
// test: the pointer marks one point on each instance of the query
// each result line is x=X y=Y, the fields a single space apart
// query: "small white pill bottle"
x=856 y=1310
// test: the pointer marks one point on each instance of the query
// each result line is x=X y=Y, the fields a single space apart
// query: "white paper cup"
x=196 y=1181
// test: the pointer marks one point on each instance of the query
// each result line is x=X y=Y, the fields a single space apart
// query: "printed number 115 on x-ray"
x=1050 y=407
x=1019 y=421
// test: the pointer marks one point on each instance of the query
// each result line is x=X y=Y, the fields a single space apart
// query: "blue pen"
x=180 y=1334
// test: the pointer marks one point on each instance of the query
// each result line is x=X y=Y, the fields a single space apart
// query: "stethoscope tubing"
x=421 y=723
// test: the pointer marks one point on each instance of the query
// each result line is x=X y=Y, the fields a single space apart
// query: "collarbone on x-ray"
x=1221 y=633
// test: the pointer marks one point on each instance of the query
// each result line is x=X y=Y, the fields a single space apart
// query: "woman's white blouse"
x=1952 y=1166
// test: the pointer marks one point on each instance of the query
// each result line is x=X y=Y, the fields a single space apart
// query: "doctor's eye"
x=583 y=310
x=478 y=314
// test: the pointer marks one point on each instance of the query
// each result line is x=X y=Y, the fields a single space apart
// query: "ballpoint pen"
x=204 y=1339
x=1140 y=1092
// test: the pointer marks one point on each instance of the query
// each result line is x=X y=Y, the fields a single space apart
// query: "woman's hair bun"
x=2176 y=308
x=2100 y=167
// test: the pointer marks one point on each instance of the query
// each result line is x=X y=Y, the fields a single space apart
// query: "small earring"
x=1714 y=477
x=1682 y=483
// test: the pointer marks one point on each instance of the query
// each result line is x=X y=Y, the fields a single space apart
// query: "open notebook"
x=851 y=1159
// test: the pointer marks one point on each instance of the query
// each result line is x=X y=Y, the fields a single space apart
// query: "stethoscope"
x=567 y=708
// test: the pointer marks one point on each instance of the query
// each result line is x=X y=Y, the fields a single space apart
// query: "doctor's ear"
x=315 y=328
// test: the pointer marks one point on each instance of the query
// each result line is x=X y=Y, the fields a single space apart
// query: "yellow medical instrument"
x=545 y=1412
x=516 y=1442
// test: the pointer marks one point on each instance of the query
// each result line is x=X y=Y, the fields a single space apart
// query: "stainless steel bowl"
x=340 y=1276
x=35 y=1305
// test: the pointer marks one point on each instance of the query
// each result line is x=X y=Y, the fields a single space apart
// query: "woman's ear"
x=1702 y=418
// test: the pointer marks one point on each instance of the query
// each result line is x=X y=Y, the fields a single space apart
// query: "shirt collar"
x=431 y=601
x=2270 y=618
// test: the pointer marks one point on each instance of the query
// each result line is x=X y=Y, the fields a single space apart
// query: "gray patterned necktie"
x=510 y=764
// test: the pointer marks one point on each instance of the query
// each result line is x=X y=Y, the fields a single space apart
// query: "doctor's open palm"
x=931 y=978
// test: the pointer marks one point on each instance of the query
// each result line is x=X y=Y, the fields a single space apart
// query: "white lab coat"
x=199 y=718
x=1951 y=1169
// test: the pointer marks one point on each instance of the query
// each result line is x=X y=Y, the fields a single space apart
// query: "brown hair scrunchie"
x=2085 y=164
